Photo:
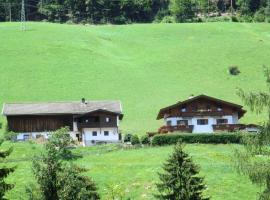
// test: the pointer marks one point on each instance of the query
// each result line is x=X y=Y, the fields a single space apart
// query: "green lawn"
x=136 y=170
x=146 y=66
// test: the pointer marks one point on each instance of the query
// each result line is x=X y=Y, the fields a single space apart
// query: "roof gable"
x=202 y=97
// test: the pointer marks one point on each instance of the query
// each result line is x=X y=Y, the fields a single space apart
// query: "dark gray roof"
x=60 y=108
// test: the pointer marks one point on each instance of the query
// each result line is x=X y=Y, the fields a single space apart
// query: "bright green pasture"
x=146 y=66
x=135 y=170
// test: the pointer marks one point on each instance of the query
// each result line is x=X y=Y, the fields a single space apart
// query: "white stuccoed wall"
x=212 y=120
x=46 y=135
x=88 y=137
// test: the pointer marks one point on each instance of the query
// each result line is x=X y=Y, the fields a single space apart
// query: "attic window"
x=108 y=119
x=219 y=108
x=183 y=109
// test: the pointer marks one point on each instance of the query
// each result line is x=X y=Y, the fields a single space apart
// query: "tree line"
x=135 y=11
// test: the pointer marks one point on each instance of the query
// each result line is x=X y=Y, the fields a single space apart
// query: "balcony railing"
x=181 y=128
x=229 y=127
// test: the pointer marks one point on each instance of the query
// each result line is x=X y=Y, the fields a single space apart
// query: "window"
x=183 y=109
x=108 y=119
x=202 y=121
x=182 y=122
x=106 y=133
x=26 y=137
x=222 y=121
x=219 y=108
x=208 y=107
x=169 y=123
x=94 y=133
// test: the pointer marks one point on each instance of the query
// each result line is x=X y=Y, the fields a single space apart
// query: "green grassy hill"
x=137 y=176
x=145 y=66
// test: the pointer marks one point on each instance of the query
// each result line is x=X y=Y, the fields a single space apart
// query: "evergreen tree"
x=56 y=180
x=254 y=159
x=180 y=180
x=4 y=172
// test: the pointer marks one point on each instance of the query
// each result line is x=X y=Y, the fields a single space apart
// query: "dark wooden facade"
x=97 y=120
x=43 y=123
x=201 y=106
x=38 y=123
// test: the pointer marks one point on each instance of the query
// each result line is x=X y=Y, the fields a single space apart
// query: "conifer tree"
x=180 y=180
x=4 y=172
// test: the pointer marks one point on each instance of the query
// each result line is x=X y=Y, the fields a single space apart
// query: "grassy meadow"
x=135 y=170
x=146 y=66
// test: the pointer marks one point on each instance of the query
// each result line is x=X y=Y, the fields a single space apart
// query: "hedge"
x=210 y=138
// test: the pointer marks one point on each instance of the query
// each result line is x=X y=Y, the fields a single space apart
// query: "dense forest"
x=141 y=11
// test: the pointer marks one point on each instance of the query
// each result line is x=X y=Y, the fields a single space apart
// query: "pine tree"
x=56 y=180
x=180 y=180
x=4 y=172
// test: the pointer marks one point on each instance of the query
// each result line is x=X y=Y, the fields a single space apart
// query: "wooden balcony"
x=180 y=128
x=229 y=127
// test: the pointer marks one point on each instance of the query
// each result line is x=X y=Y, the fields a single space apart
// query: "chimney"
x=191 y=96
x=83 y=101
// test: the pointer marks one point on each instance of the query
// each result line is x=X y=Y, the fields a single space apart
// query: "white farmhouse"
x=203 y=114
x=89 y=122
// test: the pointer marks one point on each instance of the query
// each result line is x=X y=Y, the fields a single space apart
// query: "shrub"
x=234 y=70
x=135 y=140
x=168 y=19
x=9 y=135
x=217 y=19
x=220 y=138
x=145 y=140
x=235 y=19
x=259 y=16
x=127 y=137
x=245 y=18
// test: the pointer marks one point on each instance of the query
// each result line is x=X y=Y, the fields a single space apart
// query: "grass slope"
x=145 y=66
x=136 y=175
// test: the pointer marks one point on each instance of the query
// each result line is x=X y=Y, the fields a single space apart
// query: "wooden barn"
x=89 y=122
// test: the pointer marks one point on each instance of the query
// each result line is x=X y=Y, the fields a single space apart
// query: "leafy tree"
x=267 y=11
x=4 y=172
x=254 y=159
x=180 y=180
x=56 y=180
x=182 y=9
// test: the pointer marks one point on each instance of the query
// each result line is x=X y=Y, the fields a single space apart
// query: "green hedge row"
x=219 y=138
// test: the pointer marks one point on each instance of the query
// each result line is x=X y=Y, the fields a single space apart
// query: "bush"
x=234 y=70
x=235 y=19
x=9 y=135
x=259 y=16
x=245 y=18
x=217 y=19
x=135 y=140
x=127 y=137
x=168 y=19
x=145 y=140
x=220 y=138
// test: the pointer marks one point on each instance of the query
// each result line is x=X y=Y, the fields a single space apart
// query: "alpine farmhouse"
x=203 y=114
x=89 y=122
